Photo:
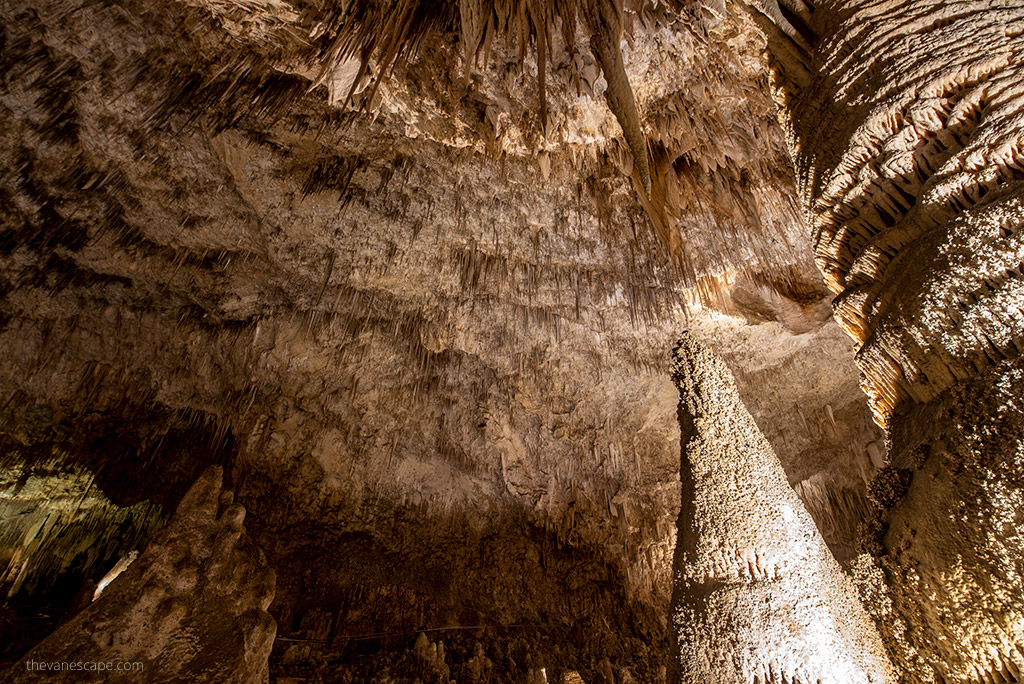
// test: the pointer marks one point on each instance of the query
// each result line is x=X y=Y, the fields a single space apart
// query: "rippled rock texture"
x=908 y=151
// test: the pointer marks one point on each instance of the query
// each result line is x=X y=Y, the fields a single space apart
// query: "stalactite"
x=60 y=525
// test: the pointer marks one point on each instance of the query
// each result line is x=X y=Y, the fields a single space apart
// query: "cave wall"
x=908 y=153
x=428 y=342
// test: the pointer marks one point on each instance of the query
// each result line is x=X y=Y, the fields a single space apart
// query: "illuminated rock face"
x=915 y=189
x=909 y=156
x=192 y=607
x=429 y=344
x=757 y=597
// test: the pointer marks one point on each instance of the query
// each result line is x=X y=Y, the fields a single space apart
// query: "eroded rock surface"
x=916 y=188
x=191 y=608
x=909 y=157
x=427 y=335
x=757 y=597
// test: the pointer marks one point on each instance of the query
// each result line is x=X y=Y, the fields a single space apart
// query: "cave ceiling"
x=409 y=291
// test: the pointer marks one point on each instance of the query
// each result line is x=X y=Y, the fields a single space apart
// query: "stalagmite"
x=758 y=597
x=191 y=608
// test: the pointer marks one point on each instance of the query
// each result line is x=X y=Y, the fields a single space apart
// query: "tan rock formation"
x=427 y=340
x=191 y=608
x=910 y=160
x=395 y=266
x=757 y=597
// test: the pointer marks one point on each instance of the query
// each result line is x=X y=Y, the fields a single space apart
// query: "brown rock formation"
x=395 y=266
x=191 y=608
x=909 y=156
x=427 y=342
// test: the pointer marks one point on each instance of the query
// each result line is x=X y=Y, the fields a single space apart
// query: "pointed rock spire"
x=758 y=596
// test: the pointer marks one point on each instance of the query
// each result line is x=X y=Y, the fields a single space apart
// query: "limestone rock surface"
x=427 y=336
x=191 y=608
x=758 y=597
